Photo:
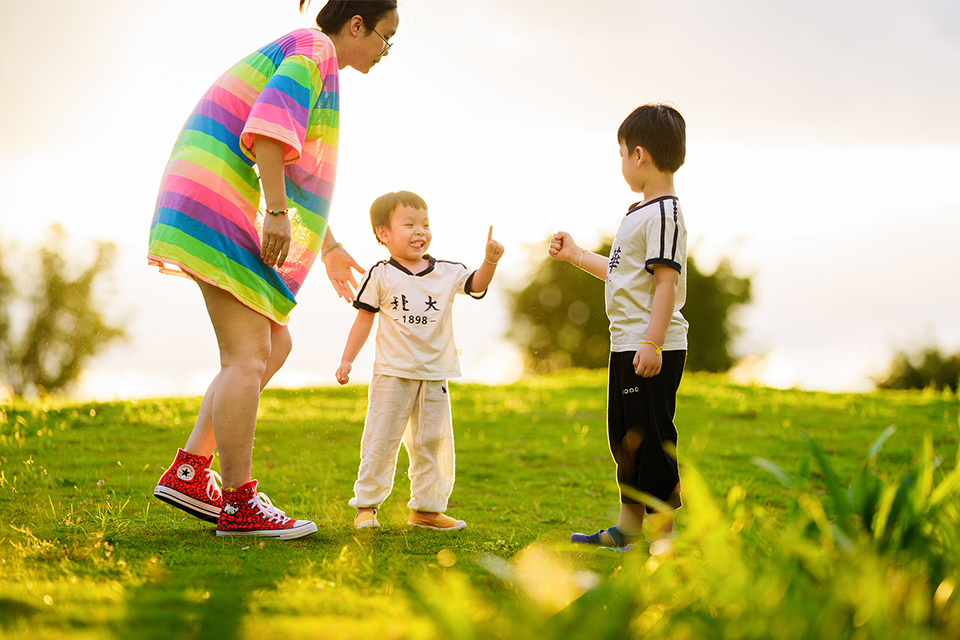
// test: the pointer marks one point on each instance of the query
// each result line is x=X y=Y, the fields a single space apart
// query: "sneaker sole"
x=457 y=527
x=184 y=502
x=303 y=528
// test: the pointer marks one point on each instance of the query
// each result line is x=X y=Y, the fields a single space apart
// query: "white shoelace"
x=262 y=502
x=213 y=485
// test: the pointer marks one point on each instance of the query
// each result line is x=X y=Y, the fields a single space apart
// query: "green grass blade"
x=841 y=503
x=773 y=469
x=878 y=443
x=900 y=501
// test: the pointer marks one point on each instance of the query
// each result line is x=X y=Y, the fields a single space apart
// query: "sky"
x=822 y=153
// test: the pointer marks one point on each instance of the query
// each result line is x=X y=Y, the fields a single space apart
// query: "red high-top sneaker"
x=248 y=513
x=190 y=484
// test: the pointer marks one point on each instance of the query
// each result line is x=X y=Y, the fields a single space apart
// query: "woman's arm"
x=275 y=243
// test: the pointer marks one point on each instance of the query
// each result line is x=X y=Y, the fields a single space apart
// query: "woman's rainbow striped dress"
x=206 y=221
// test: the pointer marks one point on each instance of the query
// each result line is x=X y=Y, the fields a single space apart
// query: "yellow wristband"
x=659 y=349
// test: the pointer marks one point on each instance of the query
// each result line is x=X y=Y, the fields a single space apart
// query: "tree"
x=712 y=302
x=7 y=292
x=926 y=368
x=559 y=318
x=62 y=329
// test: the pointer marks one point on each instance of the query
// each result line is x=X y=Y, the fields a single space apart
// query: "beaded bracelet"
x=278 y=212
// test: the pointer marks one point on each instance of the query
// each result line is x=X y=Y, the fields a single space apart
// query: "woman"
x=268 y=127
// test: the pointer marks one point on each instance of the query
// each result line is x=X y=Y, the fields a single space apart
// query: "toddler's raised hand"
x=494 y=249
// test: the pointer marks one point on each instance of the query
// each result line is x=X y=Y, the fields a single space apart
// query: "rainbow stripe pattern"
x=206 y=222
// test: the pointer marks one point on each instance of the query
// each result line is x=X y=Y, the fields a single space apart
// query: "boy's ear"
x=641 y=155
x=382 y=234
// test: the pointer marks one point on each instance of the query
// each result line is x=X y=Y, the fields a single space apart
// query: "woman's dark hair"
x=661 y=130
x=383 y=207
x=336 y=13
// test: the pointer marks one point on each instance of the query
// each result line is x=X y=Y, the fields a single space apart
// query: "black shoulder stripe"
x=676 y=230
x=663 y=231
x=366 y=278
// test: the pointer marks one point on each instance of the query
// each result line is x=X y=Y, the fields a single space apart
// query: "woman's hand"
x=340 y=266
x=275 y=244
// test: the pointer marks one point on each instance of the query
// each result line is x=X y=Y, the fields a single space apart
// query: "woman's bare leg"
x=245 y=338
x=202 y=441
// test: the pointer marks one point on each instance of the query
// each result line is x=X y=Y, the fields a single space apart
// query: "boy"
x=416 y=354
x=645 y=288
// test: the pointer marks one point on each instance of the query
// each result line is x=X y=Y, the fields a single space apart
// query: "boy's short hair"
x=661 y=130
x=384 y=206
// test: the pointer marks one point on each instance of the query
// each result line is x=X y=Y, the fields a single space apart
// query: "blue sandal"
x=619 y=538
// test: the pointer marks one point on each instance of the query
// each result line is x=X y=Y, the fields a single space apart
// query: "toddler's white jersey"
x=415 y=330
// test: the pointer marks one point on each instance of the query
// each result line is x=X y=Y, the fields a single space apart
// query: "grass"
x=87 y=552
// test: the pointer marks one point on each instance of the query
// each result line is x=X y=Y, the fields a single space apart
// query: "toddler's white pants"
x=417 y=413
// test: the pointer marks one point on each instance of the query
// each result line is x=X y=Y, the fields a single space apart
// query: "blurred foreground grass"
x=771 y=548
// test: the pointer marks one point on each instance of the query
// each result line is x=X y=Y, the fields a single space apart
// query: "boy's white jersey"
x=651 y=233
x=415 y=327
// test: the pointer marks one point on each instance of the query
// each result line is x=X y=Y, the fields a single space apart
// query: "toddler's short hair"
x=661 y=130
x=384 y=206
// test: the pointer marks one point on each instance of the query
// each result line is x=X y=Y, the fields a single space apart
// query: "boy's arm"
x=562 y=247
x=359 y=333
x=647 y=361
x=484 y=275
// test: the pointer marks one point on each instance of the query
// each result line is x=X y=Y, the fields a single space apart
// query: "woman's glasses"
x=386 y=44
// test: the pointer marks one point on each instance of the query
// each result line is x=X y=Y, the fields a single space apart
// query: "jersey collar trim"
x=640 y=205
x=432 y=263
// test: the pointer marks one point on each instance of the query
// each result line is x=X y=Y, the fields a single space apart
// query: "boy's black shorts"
x=640 y=422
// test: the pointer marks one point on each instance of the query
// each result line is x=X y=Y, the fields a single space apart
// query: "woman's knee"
x=243 y=335
x=249 y=352
x=252 y=360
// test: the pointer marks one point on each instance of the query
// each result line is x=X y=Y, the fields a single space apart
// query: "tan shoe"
x=365 y=520
x=435 y=521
